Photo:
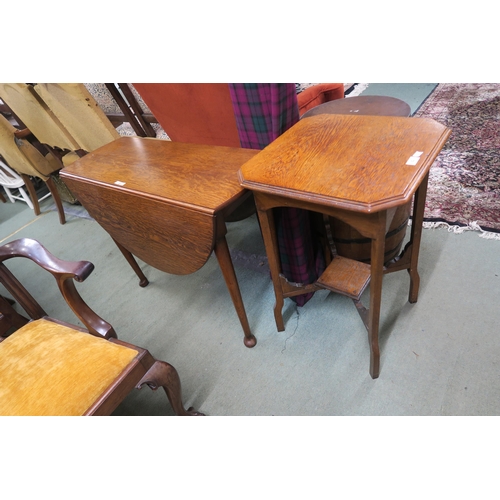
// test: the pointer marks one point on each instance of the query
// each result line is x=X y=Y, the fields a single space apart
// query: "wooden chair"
x=50 y=367
x=26 y=160
x=38 y=118
x=77 y=111
x=14 y=185
x=63 y=117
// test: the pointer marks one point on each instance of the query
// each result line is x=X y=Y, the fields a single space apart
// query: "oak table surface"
x=202 y=177
x=357 y=163
x=358 y=169
x=165 y=202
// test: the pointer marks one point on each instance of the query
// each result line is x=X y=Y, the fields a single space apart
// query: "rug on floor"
x=464 y=181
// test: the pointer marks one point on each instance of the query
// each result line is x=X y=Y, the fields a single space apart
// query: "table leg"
x=377 y=274
x=226 y=264
x=266 y=218
x=133 y=263
x=415 y=238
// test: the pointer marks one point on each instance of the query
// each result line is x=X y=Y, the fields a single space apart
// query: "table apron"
x=366 y=223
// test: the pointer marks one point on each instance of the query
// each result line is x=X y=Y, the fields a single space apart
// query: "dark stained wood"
x=132 y=112
x=359 y=170
x=166 y=203
x=351 y=244
x=9 y=317
x=136 y=108
x=373 y=105
x=144 y=369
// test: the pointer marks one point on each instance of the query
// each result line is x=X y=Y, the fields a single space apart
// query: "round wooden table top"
x=363 y=105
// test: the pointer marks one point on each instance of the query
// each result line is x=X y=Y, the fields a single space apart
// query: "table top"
x=363 y=105
x=358 y=163
x=195 y=176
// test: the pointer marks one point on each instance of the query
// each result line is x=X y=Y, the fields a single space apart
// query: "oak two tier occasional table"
x=358 y=169
x=166 y=203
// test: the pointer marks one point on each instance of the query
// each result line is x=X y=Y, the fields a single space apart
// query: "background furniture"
x=132 y=111
x=166 y=203
x=318 y=94
x=54 y=368
x=198 y=113
x=362 y=105
x=63 y=118
x=203 y=113
x=358 y=169
x=14 y=185
x=27 y=161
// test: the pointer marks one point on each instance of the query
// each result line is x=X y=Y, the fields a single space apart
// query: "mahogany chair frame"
x=144 y=369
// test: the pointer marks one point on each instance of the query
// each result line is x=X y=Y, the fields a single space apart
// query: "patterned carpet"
x=464 y=182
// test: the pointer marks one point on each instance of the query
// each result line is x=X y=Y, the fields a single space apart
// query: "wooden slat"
x=346 y=276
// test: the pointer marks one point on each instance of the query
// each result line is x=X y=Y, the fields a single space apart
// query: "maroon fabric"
x=318 y=94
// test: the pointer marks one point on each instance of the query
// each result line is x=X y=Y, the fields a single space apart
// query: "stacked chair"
x=63 y=120
x=23 y=162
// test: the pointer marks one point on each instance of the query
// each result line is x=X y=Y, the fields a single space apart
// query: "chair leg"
x=57 y=199
x=9 y=195
x=32 y=193
x=163 y=374
x=2 y=198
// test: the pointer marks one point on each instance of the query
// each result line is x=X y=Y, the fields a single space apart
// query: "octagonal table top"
x=358 y=163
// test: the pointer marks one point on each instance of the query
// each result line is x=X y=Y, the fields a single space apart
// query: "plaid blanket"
x=263 y=111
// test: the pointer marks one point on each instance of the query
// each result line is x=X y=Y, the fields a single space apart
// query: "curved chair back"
x=75 y=108
x=41 y=121
x=60 y=115
x=23 y=156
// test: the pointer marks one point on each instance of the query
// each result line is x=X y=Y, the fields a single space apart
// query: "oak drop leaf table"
x=166 y=203
x=358 y=169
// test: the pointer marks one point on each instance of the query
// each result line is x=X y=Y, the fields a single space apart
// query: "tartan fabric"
x=302 y=258
x=263 y=111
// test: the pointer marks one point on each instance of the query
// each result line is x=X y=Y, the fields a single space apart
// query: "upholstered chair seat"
x=49 y=367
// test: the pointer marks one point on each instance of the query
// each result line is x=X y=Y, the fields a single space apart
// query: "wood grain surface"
x=358 y=163
x=204 y=177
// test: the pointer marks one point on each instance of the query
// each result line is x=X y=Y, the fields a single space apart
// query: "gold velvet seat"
x=67 y=370
x=49 y=367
